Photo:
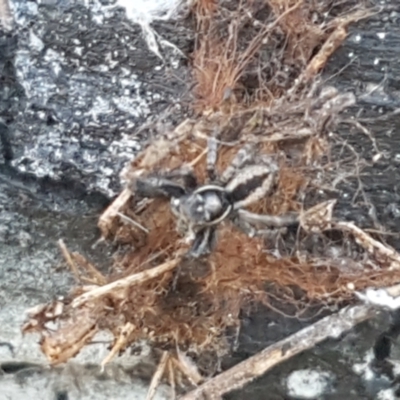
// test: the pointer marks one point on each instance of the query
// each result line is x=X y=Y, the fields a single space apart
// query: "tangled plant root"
x=232 y=44
x=154 y=292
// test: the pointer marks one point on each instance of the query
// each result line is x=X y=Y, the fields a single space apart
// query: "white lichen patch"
x=387 y=394
x=82 y=104
x=364 y=369
x=309 y=384
x=147 y=11
x=367 y=374
x=379 y=298
x=143 y=13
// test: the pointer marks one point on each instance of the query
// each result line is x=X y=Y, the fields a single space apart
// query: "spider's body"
x=201 y=208
x=206 y=206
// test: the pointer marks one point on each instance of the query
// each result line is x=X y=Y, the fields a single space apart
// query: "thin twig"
x=107 y=218
x=243 y=373
x=156 y=379
x=171 y=378
x=68 y=258
x=97 y=276
x=132 y=221
x=121 y=342
x=188 y=367
x=124 y=283
x=198 y=158
x=384 y=254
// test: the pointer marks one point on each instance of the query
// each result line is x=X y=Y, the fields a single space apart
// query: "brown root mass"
x=257 y=50
x=245 y=97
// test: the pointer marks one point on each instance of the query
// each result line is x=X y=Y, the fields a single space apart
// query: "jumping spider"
x=201 y=208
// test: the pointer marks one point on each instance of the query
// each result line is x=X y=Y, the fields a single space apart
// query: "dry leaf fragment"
x=318 y=218
x=68 y=340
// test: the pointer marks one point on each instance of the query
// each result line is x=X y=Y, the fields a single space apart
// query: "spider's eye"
x=175 y=205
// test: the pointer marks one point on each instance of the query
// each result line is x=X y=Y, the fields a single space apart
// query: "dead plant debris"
x=255 y=65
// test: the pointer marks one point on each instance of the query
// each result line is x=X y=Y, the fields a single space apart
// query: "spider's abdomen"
x=251 y=184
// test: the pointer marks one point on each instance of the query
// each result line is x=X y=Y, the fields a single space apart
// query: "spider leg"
x=172 y=184
x=242 y=157
x=271 y=235
x=203 y=242
x=269 y=227
x=156 y=186
x=185 y=174
x=273 y=221
x=212 y=155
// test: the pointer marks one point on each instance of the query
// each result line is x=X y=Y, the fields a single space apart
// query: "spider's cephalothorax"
x=201 y=208
x=206 y=206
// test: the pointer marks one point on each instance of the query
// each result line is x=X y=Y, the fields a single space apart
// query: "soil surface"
x=77 y=81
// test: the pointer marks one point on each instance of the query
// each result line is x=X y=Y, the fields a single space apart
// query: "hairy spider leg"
x=272 y=221
x=269 y=227
x=212 y=156
x=242 y=157
x=157 y=186
x=172 y=184
x=186 y=174
x=203 y=242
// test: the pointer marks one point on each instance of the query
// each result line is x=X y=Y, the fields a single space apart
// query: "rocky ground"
x=77 y=81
